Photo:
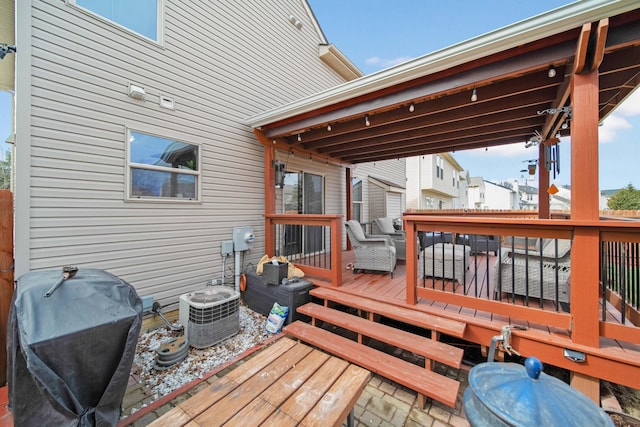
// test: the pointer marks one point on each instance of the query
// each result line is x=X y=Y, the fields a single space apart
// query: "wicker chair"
x=515 y=265
x=385 y=226
x=373 y=252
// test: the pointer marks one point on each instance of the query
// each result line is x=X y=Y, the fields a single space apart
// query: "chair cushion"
x=386 y=225
x=356 y=229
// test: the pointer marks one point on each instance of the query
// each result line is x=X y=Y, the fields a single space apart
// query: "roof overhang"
x=424 y=106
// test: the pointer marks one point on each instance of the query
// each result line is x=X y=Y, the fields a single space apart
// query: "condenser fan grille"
x=211 y=314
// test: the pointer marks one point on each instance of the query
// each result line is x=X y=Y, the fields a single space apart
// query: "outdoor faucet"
x=505 y=342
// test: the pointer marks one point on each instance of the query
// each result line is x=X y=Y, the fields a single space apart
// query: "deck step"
x=425 y=382
x=428 y=348
x=417 y=318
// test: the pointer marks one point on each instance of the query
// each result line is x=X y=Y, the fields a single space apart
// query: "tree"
x=5 y=171
x=627 y=198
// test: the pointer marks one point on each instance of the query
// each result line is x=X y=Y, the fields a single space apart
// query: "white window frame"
x=148 y=199
x=159 y=21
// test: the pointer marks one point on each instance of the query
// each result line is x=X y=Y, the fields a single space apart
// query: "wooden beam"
x=601 y=40
x=581 y=49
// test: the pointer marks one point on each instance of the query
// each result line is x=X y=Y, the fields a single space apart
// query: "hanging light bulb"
x=474 y=96
x=274 y=141
x=412 y=108
x=328 y=128
x=366 y=120
x=299 y=138
x=565 y=125
x=552 y=72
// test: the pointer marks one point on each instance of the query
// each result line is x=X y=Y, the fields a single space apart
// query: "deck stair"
x=421 y=379
x=434 y=323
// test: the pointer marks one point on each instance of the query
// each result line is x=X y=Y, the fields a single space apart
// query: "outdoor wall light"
x=136 y=92
x=474 y=96
x=280 y=171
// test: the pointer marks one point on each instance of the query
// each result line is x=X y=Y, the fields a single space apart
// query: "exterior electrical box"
x=226 y=248
x=242 y=238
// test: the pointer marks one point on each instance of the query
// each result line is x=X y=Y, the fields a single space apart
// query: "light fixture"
x=366 y=120
x=412 y=107
x=299 y=138
x=273 y=140
x=328 y=128
x=280 y=171
x=474 y=96
x=565 y=125
x=532 y=169
x=552 y=72
x=136 y=92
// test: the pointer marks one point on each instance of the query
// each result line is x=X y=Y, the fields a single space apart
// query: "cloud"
x=631 y=105
x=618 y=119
x=610 y=126
x=386 y=62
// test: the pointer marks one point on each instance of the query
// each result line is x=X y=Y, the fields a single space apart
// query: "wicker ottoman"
x=446 y=260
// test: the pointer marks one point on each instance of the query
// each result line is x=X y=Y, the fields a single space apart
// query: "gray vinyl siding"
x=221 y=61
x=374 y=203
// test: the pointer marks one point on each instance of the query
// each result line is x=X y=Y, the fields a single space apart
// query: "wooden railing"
x=586 y=260
x=311 y=242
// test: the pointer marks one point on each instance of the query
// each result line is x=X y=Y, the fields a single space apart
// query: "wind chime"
x=552 y=159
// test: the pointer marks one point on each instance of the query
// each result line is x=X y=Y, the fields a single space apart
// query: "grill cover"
x=70 y=354
x=506 y=394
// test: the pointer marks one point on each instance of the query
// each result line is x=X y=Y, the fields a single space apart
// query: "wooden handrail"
x=586 y=235
x=334 y=222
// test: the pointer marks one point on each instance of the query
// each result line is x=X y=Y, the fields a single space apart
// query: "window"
x=357 y=199
x=161 y=168
x=143 y=17
x=439 y=167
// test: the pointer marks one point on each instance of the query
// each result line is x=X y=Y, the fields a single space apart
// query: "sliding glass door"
x=303 y=194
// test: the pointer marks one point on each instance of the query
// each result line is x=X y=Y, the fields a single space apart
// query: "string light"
x=328 y=128
x=474 y=96
x=366 y=120
x=552 y=72
x=299 y=138
x=412 y=108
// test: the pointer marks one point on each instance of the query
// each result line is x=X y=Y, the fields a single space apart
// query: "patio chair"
x=373 y=252
x=385 y=226
x=517 y=264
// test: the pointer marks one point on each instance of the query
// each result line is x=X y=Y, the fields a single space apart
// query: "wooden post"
x=585 y=249
x=6 y=274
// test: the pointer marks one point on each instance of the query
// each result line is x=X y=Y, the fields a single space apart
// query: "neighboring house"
x=132 y=151
x=379 y=190
x=462 y=202
x=489 y=195
x=433 y=181
x=528 y=197
x=476 y=193
x=605 y=195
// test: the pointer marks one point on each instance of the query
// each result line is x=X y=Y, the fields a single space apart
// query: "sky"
x=377 y=34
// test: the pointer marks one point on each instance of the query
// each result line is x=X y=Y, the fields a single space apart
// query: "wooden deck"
x=547 y=343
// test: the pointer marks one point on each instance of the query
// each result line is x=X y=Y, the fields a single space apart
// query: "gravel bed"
x=199 y=361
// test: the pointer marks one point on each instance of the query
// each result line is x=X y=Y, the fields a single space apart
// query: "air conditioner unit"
x=209 y=316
